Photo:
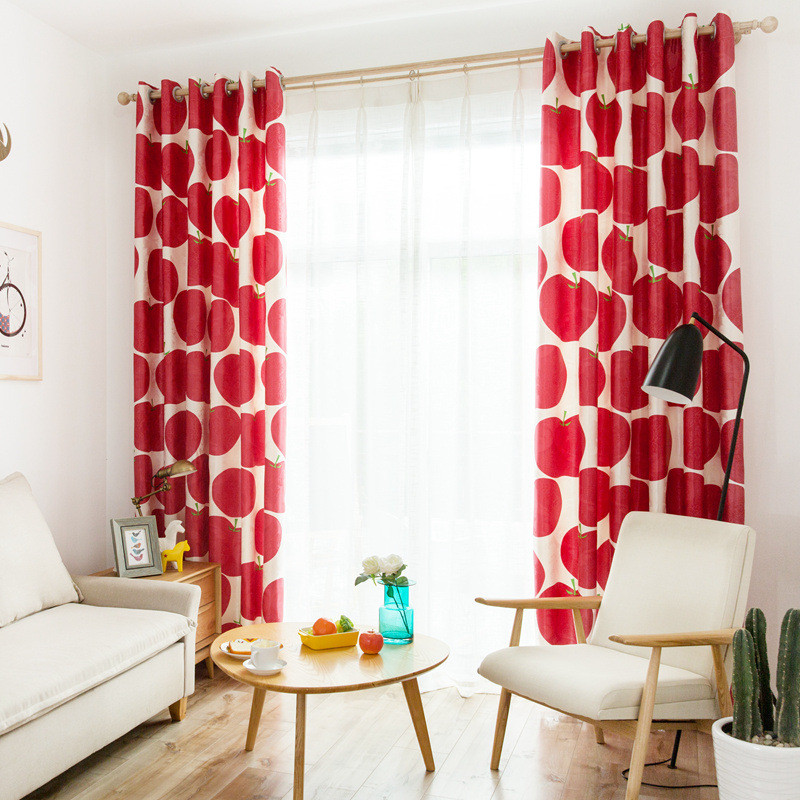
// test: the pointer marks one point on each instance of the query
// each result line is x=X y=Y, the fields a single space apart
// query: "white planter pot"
x=747 y=771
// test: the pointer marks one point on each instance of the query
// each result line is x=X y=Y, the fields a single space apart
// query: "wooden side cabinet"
x=206 y=575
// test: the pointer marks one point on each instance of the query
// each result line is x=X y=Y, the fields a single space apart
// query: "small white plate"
x=248 y=665
x=226 y=649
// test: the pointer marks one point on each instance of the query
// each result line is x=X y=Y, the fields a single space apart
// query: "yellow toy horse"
x=171 y=551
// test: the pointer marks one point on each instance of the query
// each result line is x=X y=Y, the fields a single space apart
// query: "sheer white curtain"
x=412 y=324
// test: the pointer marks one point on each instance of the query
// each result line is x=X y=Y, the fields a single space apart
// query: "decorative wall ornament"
x=5 y=143
x=20 y=303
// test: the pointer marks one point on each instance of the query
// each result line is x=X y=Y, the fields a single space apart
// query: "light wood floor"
x=361 y=746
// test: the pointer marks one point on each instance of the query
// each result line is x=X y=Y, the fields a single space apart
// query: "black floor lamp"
x=674 y=376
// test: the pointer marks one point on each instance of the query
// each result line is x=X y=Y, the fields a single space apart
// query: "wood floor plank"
x=362 y=746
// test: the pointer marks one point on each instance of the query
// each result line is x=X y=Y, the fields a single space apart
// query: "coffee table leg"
x=299 y=746
x=411 y=689
x=255 y=717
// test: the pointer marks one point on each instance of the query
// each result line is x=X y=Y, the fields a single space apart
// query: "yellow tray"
x=327 y=641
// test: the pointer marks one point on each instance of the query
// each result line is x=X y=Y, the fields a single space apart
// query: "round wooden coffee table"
x=342 y=670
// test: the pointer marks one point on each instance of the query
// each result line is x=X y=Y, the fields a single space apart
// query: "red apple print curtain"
x=209 y=328
x=639 y=228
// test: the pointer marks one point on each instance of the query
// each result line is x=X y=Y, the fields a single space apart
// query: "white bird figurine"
x=171 y=535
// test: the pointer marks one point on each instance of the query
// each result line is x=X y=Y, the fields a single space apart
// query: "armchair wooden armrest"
x=573 y=602
x=689 y=639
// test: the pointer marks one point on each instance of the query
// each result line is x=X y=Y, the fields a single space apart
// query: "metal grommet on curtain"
x=714 y=34
x=203 y=87
x=561 y=52
x=228 y=90
x=175 y=96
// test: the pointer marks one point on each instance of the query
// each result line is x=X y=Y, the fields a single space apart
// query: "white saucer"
x=280 y=664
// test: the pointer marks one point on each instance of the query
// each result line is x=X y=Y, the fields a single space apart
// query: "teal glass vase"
x=396 y=617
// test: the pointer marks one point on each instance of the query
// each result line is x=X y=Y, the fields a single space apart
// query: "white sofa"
x=81 y=662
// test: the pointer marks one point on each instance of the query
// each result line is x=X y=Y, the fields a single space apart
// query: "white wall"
x=55 y=430
x=770 y=177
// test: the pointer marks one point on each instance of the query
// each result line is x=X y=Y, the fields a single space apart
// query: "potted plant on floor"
x=757 y=751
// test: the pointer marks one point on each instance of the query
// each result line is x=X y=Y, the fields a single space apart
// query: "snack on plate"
x=240 y=647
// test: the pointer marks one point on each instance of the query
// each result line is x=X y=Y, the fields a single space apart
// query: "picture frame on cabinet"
x=20 y=303
x=136 y=550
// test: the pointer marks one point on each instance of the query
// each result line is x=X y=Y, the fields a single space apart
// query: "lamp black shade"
x=675 y=370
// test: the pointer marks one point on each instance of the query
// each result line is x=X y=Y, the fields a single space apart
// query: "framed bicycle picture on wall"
x=20 y=303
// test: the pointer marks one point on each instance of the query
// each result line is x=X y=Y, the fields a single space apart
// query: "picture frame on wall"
x=136 y=550
x=20 y=303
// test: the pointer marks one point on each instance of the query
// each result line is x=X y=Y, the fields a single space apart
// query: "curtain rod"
x=444 y=66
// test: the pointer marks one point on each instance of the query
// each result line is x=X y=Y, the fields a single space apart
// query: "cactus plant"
x=746 y=715
x=787 y=679
x=756 y=623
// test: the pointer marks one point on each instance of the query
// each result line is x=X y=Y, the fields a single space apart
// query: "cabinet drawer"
x=206 y=623
x=206 y=584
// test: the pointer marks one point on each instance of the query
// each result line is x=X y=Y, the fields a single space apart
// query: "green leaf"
x=361 y=579
x=402 y=581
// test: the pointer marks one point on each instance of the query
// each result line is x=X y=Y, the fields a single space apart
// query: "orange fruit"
x=323 y=626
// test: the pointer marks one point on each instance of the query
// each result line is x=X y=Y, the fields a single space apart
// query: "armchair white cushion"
x=670 y=574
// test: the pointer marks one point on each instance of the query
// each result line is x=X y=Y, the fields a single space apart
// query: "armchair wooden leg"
x=177 y=710
x=598 y=735
x=500 y=727
x=643 y=727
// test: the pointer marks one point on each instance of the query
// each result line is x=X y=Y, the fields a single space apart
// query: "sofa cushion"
x=597 y=682
x=32 y=575
x=55 y=655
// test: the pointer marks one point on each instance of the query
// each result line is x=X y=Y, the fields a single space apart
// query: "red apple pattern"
x=638 y=230
x=210 y=327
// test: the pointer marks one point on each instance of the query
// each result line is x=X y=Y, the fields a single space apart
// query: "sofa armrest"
x=179 y=598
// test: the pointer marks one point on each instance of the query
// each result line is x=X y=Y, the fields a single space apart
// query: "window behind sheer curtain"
x=412 y=258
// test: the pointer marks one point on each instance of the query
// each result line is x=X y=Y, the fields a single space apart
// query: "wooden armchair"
x=670 y=573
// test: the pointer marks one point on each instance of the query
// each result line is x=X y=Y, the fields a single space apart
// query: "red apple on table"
x=657 y=305
x=177 y=165
x=578 y=554
x=619 y=259
x=604 y=120
x=172 y=222
x=591 y=377
x=218 y=156
x=651 y=446
x=561 y=126
x=612 y=315
x=252 y=162
x=551 y=376
x=597 y=185
x=547 y=506
x=200 y=212
x=665 y=239
x=189 y=315
x=559 y=445
x=579 y=242
x=568 y=307
x=550 y=193
x=148 y=162
x=370 y=642
x=613 y=437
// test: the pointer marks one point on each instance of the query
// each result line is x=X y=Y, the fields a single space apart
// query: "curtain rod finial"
x=123 y=98
x=768 y=24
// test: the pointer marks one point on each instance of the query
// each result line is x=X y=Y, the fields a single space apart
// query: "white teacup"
x=264 y=653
